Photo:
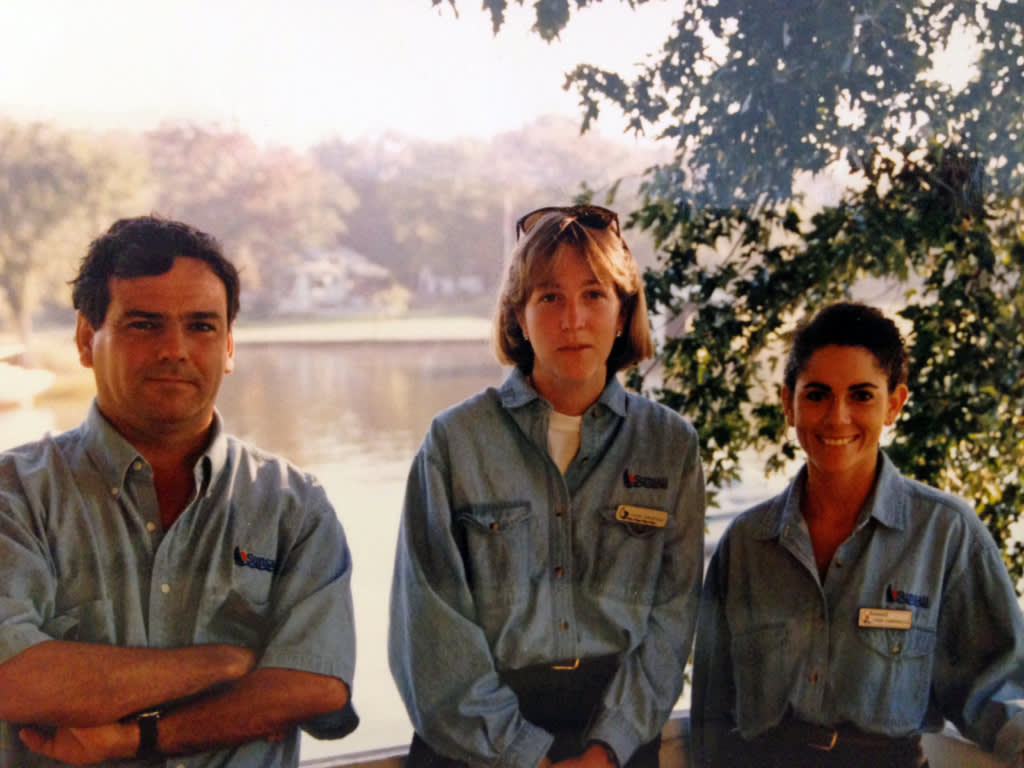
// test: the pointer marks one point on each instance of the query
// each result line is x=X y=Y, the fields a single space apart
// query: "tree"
x=270 y=207
x=754 y=97
x=56 y=191
x=751 y=94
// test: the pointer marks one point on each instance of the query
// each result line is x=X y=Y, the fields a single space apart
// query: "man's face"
x=161 y=352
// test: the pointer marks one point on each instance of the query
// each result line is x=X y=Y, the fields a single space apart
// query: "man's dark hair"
x=849 y=324
x=141 y=247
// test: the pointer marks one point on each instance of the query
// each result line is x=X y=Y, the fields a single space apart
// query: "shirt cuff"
x=610 y=729
x=529 y=747
x=1009 y=745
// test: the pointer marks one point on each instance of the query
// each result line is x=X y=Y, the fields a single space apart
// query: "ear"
x=787 y=405
x=84 y=335
x=897 y=398
x=229 y=364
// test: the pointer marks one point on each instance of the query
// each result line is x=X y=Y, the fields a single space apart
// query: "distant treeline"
x=387 y=224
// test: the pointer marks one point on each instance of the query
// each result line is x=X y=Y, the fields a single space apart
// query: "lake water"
x=355 y=414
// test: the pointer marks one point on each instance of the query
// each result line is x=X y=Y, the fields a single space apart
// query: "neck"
x=836 y=497
x=571 y=401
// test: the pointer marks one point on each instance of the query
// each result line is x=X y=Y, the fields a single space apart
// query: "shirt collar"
x=886 y=502
x=517 y=391
x=115 y=456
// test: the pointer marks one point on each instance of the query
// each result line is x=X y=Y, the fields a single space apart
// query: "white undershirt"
x=563 y=438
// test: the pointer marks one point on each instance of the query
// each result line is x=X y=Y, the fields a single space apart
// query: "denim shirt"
x=257 y=559
x=503 y=562
x=774 y=638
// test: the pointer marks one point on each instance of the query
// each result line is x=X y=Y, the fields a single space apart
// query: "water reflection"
x=317 y=403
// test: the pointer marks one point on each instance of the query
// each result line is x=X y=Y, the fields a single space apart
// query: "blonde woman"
x=548 y=565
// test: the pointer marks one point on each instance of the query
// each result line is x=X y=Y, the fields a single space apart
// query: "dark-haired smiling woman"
x=548 y=567
x=859 y=608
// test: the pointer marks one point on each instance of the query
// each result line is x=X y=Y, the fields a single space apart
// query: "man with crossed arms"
x=165 y=589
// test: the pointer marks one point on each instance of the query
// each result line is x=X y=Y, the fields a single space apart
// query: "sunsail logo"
x=893 y=595
x=639 y=481
x=249 y=560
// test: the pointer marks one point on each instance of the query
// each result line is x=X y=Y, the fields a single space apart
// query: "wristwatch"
x=149 y=735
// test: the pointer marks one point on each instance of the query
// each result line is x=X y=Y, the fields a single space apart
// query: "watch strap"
x=149 y=735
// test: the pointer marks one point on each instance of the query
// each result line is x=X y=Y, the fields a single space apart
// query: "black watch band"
x=149 y=735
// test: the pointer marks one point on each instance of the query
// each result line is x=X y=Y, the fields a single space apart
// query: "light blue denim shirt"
x=772 y=636
x=503 y=563
x=257 y=559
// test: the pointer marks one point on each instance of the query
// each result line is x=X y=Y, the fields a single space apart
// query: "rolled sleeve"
x=439 y=656
x=27 y=582
x=647 y=685
x=313 y=629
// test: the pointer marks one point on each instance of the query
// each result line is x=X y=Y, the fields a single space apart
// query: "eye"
x=863 y=395
x=203 y=327
x=547 y=298
x=597 y=293
x=816 y=395
x=142 y=325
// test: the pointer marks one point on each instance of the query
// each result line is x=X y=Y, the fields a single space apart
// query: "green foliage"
x=738 y=279
x=752 y=92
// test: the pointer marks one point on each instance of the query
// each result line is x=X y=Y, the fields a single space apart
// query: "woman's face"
x=839 y=406
x=571 y=320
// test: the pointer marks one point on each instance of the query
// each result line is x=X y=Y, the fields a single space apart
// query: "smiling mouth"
x=835 y=442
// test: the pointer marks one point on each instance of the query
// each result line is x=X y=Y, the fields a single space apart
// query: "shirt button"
x=559 y=511
x=494 y=526
x=559 y=572
x=584 y=460
x=150 y=527
x=895 y=649
x=165 y=588
x=564 y=625
x=814 y=677
x=115 y=491
x=137 y=465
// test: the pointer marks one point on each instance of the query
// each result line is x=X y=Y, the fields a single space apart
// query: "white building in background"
x=334 y=279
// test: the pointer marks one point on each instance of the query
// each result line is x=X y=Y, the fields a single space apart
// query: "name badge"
x=654 y=518
x=884 y=618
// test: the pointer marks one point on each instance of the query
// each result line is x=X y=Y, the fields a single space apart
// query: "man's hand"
x=595 y=756
x=84 y=746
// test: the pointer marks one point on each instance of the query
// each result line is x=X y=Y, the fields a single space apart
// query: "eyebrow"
x=820 y=385
x=556 y=284
x=199 y=315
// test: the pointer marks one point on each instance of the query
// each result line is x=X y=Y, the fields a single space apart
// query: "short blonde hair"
x=532 y=261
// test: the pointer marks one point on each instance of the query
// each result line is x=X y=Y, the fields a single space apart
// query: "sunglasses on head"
x=590 y=216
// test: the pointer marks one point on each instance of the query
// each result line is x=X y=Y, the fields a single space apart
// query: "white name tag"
x=884 y=618
x=655 y=518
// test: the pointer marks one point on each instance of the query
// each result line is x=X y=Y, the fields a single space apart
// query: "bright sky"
x=296 y=72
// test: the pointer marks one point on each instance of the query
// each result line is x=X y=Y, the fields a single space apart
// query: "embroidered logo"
x=639 y=481
x=893 y=595
x=249 y=560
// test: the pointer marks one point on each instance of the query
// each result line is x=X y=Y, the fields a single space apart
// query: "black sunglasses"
x=590 y=216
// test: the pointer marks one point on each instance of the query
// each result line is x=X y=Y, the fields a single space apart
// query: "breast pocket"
x=898 y=665
x=90 y=622
x=764 y=670
x=627 y=558
x=501 y=552
x=237 y=620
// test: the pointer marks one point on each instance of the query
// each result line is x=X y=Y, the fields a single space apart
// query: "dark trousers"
x=799 y=745
x=561 y=702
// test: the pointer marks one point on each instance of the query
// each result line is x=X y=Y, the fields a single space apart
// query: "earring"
x=618 y=333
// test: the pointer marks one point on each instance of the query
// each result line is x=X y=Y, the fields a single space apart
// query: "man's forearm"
x=262 y=705
x=83 y=684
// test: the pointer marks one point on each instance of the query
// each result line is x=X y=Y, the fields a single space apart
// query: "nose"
x=172 y=343
x=573 y=316
x=838 y=411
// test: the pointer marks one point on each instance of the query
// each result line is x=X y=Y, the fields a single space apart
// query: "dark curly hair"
x=140 y=247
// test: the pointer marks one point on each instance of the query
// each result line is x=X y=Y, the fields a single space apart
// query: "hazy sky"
x=298 y=71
